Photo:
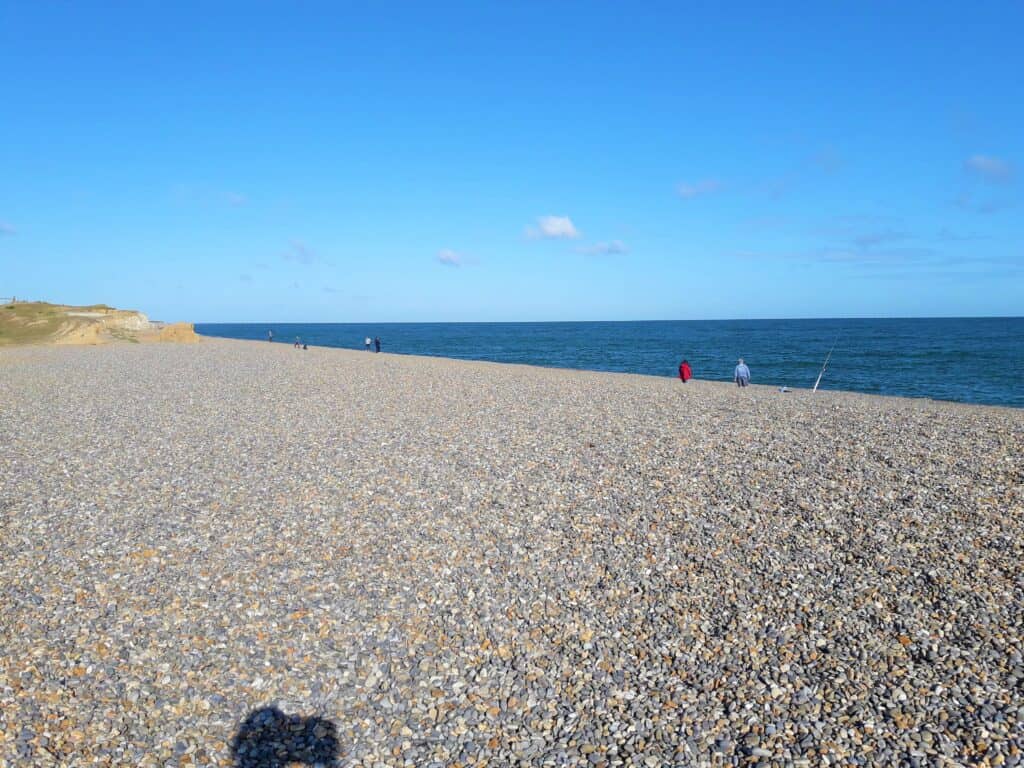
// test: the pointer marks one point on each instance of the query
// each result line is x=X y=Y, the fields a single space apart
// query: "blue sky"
x=514 y=161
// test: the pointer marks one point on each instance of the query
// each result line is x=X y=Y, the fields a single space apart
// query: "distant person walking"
x=369 y=341
x=685 y=372
x=296 y=342
x=376 y=343
x=270 y=335
x=742 y=374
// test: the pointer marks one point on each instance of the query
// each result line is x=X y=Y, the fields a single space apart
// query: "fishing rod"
x=825 y=364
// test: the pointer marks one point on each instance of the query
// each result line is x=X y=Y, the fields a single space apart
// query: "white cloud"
x=449 y=257
x=554 y=228
x=6 y=229
x=611 y=248
x=989 y=168
x=690 y=190
x=299 y=252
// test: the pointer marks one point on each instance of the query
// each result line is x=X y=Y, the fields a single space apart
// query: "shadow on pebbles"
x=243 y=554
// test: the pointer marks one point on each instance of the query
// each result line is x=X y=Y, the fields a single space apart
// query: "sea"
x=968 y=360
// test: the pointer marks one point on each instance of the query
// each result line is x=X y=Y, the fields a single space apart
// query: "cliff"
x=42 y=323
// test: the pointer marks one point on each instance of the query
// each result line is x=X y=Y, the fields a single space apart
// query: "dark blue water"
x=972 y=360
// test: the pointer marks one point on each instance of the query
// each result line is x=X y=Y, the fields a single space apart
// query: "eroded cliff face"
x=98 y=326
x=127 y=321
x=42 y=323
x=178 y=332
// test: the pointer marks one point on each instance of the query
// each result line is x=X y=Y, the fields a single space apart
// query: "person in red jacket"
x=684 y=371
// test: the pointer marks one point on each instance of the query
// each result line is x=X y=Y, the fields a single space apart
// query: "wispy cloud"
x=778 y=186
x=870 y=239
x=766 y=224
x=827 y=160
x=849 y=255
x=449 y=258
x=690 y=190
x=988 y=168
x=988 y=188
x=611 y=248
x=806 y=171
x=970 y=201
x=360 y=298
x=856 y=240
x=869 y=255
x=958 y=268
x=299 y=253
x=897 y=263
x=862 y=231
x=947 y=235
x=554 y=228
x=206 y=195
x=877 y=246
x=7 y=229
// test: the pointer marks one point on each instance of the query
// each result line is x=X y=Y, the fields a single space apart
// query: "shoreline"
x=953 y=359
x=721 y=382
x=765 y=388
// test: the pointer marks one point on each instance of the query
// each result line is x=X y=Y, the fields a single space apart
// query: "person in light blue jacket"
x=742 y=374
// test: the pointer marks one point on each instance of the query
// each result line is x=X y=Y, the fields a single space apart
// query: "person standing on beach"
x=368 y=342
x=376 y=343
x=742 y=374
x=270 y=335
x=685 y=373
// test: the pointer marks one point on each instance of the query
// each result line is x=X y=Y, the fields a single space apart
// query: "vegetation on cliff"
x=38 y=322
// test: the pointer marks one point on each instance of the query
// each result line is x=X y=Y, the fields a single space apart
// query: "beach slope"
x=428 y=562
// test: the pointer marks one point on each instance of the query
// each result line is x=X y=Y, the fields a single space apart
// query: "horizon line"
x=553 y=322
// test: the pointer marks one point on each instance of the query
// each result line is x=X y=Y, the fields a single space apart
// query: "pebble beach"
x=242 y=554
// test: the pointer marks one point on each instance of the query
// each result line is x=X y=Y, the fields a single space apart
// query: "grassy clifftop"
x=38 y=322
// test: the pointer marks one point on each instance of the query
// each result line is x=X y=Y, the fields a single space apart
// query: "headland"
x=39 y=322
